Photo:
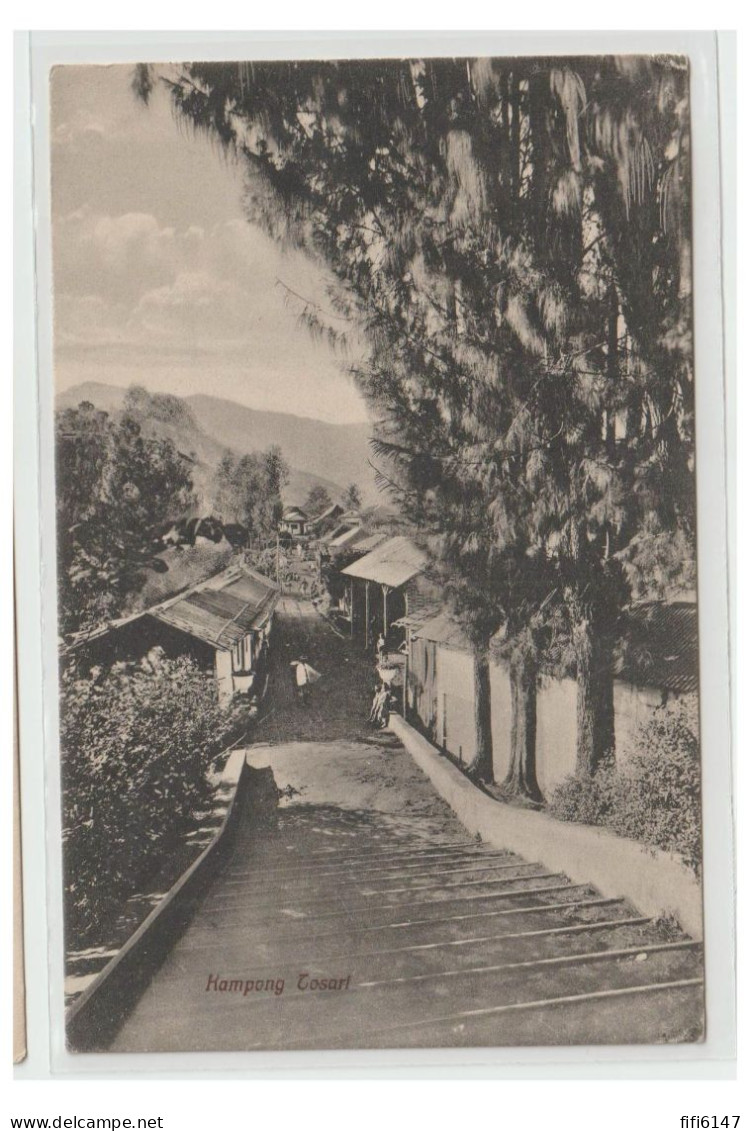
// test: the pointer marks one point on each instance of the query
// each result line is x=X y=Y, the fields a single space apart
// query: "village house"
x=224 y=623
x=657 y=662
x=377 y=595
x=339 y=549
x=294 y=521
x=333 y=516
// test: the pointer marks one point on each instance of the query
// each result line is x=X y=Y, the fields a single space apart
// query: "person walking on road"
x=304 y=675
x=300 y=674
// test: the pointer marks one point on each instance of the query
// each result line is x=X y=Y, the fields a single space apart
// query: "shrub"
x=587 y=801
x=654 y=796
x=138 y=744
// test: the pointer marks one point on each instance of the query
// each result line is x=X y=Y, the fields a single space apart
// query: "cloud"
x=83 y=125
x=128 y=278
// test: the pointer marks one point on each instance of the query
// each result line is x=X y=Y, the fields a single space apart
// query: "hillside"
x=204 y=430
x=327 y=451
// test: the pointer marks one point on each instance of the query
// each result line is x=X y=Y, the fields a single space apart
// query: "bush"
x=587 y=801
x=138 y=745
x=655 y=795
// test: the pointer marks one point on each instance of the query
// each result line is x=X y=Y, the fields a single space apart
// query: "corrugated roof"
x=372 y=541
x=224 y=609
x=348 y=537
x=442 y=630
x=393 y=563
x=660 y=647
x=293 y=514
x=331 y=512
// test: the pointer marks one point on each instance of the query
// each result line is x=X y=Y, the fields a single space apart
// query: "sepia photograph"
x=376 y=496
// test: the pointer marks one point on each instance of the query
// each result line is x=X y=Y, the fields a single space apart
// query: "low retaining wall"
x=95 y=1016
x=654 y=881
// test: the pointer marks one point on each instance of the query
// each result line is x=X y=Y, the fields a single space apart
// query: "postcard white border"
x=35 y=511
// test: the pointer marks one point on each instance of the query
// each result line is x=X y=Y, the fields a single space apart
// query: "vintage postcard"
x=376 y=553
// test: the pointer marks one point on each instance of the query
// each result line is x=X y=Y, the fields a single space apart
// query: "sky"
x=159 y=279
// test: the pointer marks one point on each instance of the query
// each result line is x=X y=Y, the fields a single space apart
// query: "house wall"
x=422 y=693
x=556 y=732
x=634 y=707
x=442 y=695
x=223 y=672
x=455 y=721
x=500 y=708
x=556 y=727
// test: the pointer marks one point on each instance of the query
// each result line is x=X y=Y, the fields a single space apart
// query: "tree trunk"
x=595 y=724
x=481 y=767
x=521 y=779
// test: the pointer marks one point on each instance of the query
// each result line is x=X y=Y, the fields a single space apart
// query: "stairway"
x=428 y=941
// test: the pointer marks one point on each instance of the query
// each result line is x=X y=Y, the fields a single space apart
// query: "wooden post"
x=367 y=614
x=351 y=606
x=385 y=589
x=406 y=674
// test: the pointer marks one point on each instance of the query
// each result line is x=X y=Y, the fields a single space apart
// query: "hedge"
x=138 y=744
x=654 y=795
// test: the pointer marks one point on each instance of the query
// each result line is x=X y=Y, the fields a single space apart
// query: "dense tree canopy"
x=247 y=489
x=353 y=497
x=317 y=501
x=113 y=487
x=511 y=236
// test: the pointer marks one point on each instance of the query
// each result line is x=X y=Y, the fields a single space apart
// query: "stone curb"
x=654 y=881
x=95 y=1016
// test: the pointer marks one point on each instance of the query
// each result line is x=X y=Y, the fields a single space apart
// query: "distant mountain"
x=203 y=428
x=336 y=452
x=107 y=397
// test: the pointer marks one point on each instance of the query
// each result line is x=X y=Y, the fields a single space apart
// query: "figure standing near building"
x=379 y=711
x=381 y=649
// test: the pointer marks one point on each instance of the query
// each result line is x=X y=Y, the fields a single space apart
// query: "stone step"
x=364 y=897
x=294 y=920
x=346 y=1015
x=391 y=847
x=215 y=936
x=238 y=961
x=656 y=1014
x=255 y=879
x=264 y=867
x=632 y=1015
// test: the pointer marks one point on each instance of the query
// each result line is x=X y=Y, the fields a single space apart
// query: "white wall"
x=634 y=707
x=223 y=670
x=556 y=732
x=556 y=727
x=655 y=882
x=500 y=705
x=556 y=716
x=455 y=687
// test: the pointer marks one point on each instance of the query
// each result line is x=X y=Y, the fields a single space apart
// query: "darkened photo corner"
x=376 y=553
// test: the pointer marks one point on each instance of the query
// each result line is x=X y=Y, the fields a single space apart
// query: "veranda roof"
x=442 y=630
x=393 y=563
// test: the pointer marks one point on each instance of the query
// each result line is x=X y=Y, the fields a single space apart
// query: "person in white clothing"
x=301 y=679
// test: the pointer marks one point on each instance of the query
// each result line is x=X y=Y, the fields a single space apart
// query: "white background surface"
x=193 y=1103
